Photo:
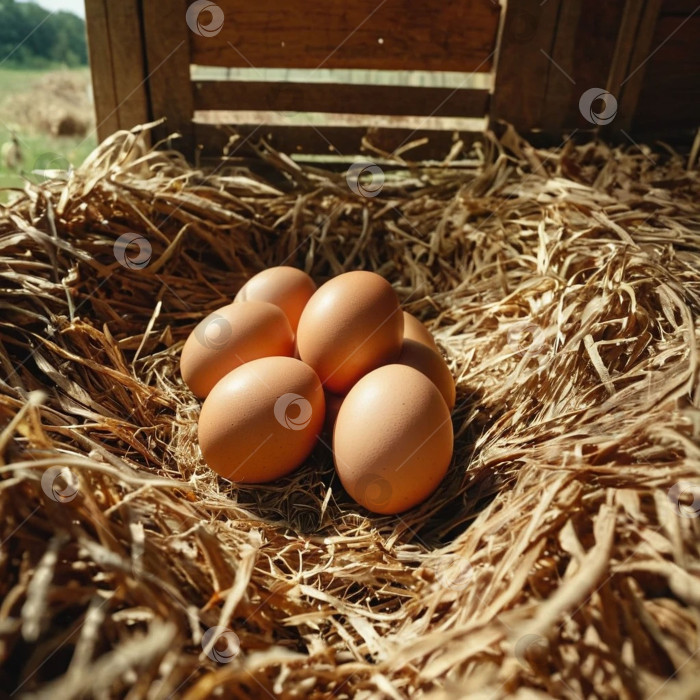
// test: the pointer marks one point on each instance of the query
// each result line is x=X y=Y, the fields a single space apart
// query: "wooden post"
x=561 y=77
x=522 y=68
x=631 y=51
x=168 y=39
x=115 y=40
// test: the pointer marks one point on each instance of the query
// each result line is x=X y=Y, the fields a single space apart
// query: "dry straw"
x=559 y=558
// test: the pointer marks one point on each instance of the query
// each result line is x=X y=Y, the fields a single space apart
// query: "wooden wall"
x=544 y=54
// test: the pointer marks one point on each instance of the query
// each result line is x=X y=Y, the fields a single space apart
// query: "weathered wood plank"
x=594 y=47
x=328 y=140
x=682 y=8
x=630 y=85
x=101 y=65
x=522 y=66
x=389 y=35
x=670 y=93
x=128 y=61
x=560 y=80
x=339 y=98
x=168 y=66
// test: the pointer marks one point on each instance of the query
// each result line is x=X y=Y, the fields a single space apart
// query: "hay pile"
x=58 y=103
x=559 y=558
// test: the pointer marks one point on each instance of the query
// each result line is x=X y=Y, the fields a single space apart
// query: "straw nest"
x=559 y=557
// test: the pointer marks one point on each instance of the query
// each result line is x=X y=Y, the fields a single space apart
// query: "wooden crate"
x=527 y=63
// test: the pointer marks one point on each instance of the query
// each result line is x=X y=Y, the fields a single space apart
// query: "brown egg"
x=262 y=420
x=286 y=287
x=350 y=326
x=393 y=439
x=413 y=329
x=230 y=336
x=432 y=365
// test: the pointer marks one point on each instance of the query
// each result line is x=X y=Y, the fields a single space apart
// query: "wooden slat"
x=101 y=65
x=329 y=140
x=559 y=80
x=619 y=68
x=339 y=98
x=594 y=47
x=128 y=62
x=670 y=94
x=168 y=65
x=116 y=57
x=521 y=67
x=628 y=87
x=389 y=35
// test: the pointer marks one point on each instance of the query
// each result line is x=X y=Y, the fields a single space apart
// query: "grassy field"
x=40 y=150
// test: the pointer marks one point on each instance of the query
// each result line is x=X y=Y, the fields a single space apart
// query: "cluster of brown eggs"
x=287 y=362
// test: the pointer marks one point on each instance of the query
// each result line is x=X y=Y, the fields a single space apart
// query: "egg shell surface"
x=432 y=365
x=231 y=336
x=350 y=326
x=413 y=329
x=284 y=286
x=262 y=420
x=393 y=439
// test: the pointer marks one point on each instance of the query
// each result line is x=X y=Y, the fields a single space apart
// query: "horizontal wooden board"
x=339 y=98
x=670 y=93
x=389 y=35
x=328 y=140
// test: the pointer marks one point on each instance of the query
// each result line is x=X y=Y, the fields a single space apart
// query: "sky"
x=75 y=6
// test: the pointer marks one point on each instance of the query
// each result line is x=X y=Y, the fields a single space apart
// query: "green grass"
x=40 y=150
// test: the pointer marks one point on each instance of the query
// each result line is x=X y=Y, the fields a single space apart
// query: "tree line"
x=32 y=37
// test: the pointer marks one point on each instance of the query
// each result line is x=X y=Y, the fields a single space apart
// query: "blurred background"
x=46 y=110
